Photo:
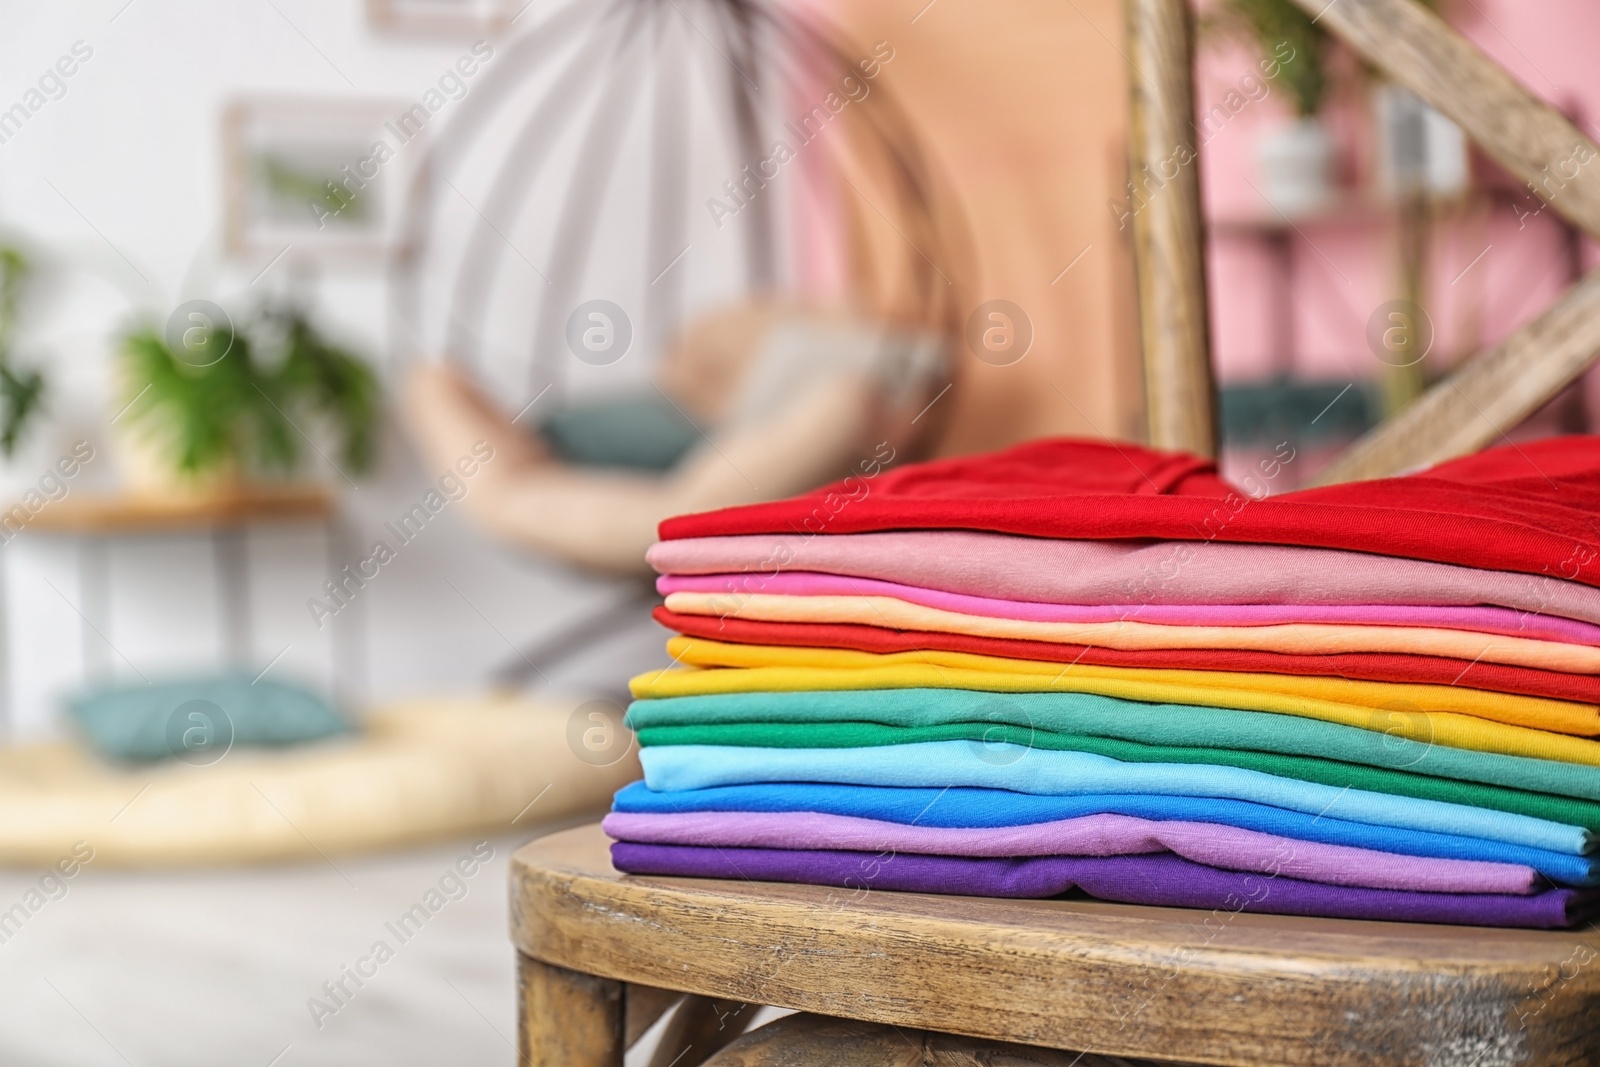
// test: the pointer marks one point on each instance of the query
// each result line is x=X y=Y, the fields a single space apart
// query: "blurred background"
x=349 y=354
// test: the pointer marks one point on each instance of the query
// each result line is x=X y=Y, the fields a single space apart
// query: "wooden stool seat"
x=1166 y=983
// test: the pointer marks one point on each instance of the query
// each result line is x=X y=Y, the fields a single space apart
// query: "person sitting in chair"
x=754 y=402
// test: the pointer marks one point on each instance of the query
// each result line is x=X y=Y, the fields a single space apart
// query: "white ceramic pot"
x=1297 y=166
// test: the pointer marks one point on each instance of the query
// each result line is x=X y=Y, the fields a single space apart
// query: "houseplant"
x=248 y=412
x=21 y=388
x=1296 y=160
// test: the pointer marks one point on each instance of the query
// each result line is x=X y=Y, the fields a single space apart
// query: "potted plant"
x=21 y=388
x=239 y=403
x=1297 y=160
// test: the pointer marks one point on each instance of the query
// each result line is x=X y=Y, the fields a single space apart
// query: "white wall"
x=118 y=183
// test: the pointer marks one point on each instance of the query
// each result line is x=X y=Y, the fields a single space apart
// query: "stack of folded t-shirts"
x=1078 y=668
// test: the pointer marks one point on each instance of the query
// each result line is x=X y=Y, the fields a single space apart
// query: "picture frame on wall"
x=443 y=17
x=320 y=177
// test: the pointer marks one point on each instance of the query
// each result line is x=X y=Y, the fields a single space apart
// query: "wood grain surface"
x=1205 y=987
x=1168 y=235
x=114 y=513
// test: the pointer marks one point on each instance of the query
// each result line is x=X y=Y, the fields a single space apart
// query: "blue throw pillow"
x=198 y=719
x=642 y=432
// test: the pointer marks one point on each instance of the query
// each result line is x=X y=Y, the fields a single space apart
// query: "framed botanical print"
x=320 y=177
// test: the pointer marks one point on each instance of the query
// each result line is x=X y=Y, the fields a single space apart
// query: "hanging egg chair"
x=629 y=178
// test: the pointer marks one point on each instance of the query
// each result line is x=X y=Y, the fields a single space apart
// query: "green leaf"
x=21 y=391
x=1277 y=22
x=249 y=411
x=21 y=397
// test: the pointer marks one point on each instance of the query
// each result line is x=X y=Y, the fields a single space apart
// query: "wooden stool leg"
x=817 y=1041
x=700 y=1027
x=948 y=1050
x=567 y=1019
x=642 y=1005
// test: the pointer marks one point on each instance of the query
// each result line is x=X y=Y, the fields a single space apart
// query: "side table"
x=95 y=520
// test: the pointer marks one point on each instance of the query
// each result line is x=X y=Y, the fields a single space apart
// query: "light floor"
x=215 y=968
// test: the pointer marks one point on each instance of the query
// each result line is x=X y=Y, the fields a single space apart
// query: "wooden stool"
x=598 y=948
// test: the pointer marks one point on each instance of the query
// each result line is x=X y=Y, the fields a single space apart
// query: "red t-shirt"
x=1532 y=507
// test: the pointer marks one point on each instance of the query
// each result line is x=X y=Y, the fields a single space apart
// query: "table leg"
x=348 y=634
x=94 y=590
x=231 y=557
x=1282 y=250
x=567 y=1019
x=9 y=724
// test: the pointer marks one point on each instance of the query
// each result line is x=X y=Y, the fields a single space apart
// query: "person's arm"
x=447 y=414
x=605 y=519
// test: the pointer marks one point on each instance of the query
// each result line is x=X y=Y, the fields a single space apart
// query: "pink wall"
x=1341 y=272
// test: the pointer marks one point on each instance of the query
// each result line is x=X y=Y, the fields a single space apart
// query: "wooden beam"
x=1416 y=48
x=1477 y=403
x=1163 y=209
